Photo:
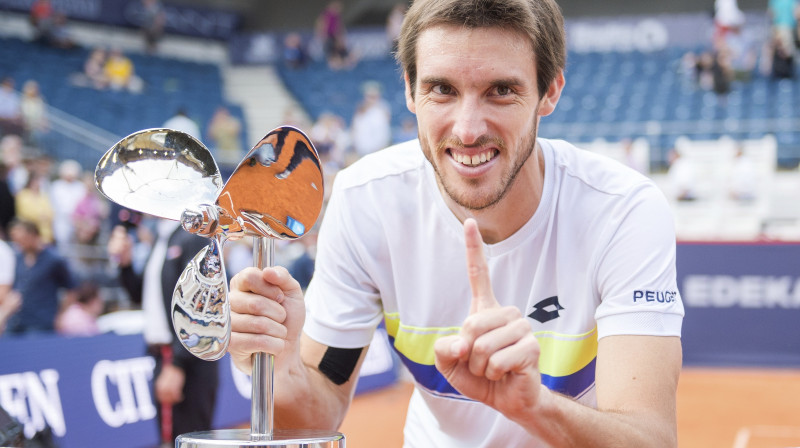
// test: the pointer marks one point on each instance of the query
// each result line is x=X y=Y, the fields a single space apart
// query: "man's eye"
x=503 y=90
x=442 y=89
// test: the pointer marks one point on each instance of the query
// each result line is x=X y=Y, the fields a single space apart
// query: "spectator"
x=783 y=15
x=79 y=318
x=722 y=73
x=7 y=201
x=50 y=26
x=40 y=275
x=329 y=26
x=782 y=58
x=633 y=158
x=704 y=75
x=331 y=139
x=743 y=179
x=184 y=384
x=34 y=114
x=66 y=192
x=371 y=128
x=9 y=299
x=154 y=19
x=295 y=54
x=42 y=17
x=10 y=111
x=90 y=213
x=331 y=31
x=181 y=122
x=727 y=16
x=742 y=52
x=340 y=57
x=59 y=34
x=682 y=177
x=224 y=133
x=120 y=72
x=17 y=174
x=93 y=74
x=34 y=205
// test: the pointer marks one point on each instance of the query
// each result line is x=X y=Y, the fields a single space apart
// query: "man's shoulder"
x=594 y=170
x=385 y=164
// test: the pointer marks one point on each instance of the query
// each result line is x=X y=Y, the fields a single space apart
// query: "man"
x=372 y=123
x=40 y=276
x=10 y=109
x=563 y=327
x=9 y=299
x=185 y=386
x=181 y=122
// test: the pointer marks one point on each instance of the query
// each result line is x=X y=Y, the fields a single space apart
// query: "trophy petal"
x=159 y=172
x=277 y=190
x=200 y=307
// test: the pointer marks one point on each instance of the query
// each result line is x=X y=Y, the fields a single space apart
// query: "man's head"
x=25 y=235
x=540 y=20
x=478 y=85
x=69 y=170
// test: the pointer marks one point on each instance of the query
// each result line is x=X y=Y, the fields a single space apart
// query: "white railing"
x=76 y=129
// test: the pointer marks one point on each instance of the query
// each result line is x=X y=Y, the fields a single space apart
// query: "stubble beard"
x=467 y=199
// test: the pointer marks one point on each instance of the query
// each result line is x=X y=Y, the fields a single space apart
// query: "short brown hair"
x=26 y=225
x=540 y=20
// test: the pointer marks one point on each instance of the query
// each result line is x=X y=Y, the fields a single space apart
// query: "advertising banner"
x=97 y=391
x=742 y=304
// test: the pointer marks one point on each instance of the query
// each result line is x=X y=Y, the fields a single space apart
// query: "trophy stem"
x=262 y=403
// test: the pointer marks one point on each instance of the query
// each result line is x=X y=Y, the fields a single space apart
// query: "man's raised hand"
x=494 y=358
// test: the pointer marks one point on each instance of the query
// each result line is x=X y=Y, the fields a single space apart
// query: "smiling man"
x=508 y=268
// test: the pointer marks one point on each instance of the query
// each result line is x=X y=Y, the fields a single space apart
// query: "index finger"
x=477 y=269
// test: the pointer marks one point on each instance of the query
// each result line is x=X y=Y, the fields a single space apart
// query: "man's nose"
x=470 y=121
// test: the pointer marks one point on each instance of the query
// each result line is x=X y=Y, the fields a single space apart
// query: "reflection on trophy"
x=275 y=192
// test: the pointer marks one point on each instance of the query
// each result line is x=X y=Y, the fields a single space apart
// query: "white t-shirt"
x=596 y=259
x=8 y=263
x=157 y=329
x=371 y=128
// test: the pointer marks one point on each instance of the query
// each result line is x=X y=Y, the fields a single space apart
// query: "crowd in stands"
x=735 y=54
x=55 y=275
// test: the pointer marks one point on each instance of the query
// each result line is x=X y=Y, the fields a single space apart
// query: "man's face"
x=24 y=239
x=477 y=107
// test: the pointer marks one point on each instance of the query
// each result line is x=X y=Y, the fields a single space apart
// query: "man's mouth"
x=475 y=159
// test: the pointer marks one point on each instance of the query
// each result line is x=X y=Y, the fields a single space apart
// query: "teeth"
x=474 y=160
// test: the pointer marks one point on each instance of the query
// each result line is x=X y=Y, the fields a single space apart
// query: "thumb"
x=477 y=269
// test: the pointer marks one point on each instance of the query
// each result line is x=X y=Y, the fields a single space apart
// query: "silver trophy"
x=275 y=192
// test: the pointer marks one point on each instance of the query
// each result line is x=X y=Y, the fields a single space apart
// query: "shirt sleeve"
x=343 y=305
x=636 y=274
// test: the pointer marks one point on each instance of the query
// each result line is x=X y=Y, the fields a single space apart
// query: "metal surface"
x=200 y=306
x=262 y=404
x=158 y=172
x=275 y=192
x=241 y=438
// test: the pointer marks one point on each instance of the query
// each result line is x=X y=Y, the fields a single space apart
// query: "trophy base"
x=241 y=438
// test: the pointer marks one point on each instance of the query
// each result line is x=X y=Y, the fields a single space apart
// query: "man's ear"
x=547 y=104
x=409 y=97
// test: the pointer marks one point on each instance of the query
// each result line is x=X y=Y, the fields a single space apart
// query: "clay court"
x=725 y=408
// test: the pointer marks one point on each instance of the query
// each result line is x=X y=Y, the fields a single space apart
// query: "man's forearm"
x=563 y=422
x=307 y=399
